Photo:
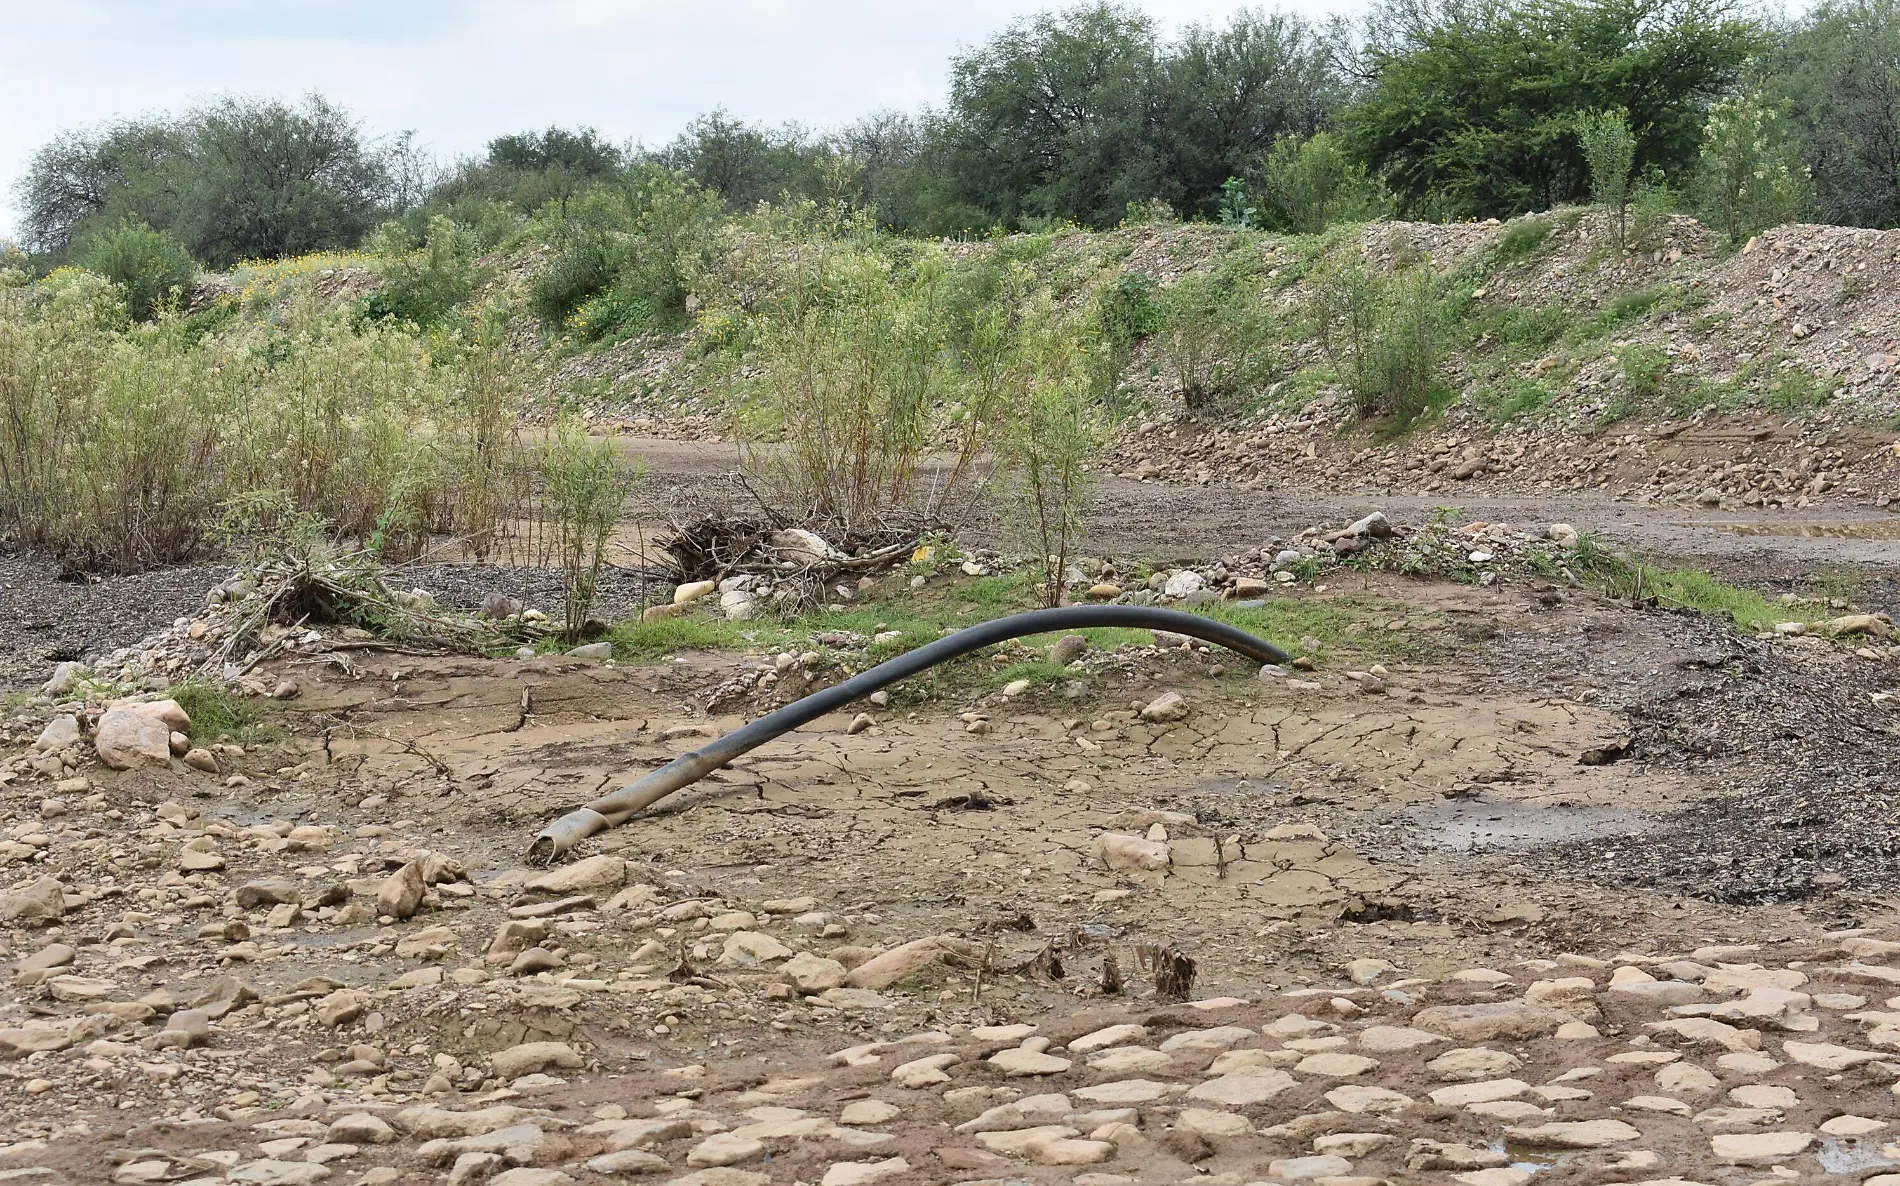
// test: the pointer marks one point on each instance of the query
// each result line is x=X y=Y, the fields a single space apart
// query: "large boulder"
x=133 y=735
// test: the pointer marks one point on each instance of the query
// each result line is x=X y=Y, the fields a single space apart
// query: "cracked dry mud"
x=1423 y=952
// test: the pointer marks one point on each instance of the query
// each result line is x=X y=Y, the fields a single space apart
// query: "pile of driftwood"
x=349 y=590
x=716 y=547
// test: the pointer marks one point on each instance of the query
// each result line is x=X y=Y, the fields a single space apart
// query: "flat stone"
x=1114 y=1035
x=1362 y=1100
x=1759 y=1148
x=861 y=1173
x=1334 y=1064
x=361 y=1128
x=1302 y=1169
x=1474 y=1062
x=1829 y=1057
x=1392 y=1039
x=1491 y=1021
x=628 y=1161
x=1210 y=1123
x=1477 y=1093
x=279 y=1173
x=1132 y=1091
x=530 y=1057
x=725 y=1149
x=1255 y=1085
x=1219 y=1038
x=524 y=1176
x=1575 y=1134
x=1017 y=1061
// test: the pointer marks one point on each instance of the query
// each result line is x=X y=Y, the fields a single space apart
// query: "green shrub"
x=1645 y=368
x=1385 y=338
x=1609 y=151
x=1522 y=238
x=1751 y=177
x=1129 y=311
x=1312 y=183
x=151 y=266
x=587 y=487
x=1216 y=338
x=422 y=285
x=1522 y=397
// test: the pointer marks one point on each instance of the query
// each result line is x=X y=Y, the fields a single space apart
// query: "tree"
x=1840 y=71
x=1472 y=106
x=1609 y=150
x=239 y=178
x=1750 y=177
x=266 y=180
x=1226 y=95
x=1053 y=118
x=1312 y=183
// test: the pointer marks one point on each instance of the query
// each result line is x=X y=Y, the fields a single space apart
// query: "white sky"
x=460 y=72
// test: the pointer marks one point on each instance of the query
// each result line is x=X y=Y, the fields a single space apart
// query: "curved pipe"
x=614 y=809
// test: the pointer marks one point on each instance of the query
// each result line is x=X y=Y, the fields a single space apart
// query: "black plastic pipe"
x=614 y=809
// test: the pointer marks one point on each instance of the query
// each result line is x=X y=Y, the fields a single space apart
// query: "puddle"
x=1471 y=825
x=1847 y=1155
x=1860 y=529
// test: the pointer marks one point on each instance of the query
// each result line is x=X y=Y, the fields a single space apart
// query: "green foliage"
x=624 y=256
x=1750 y=177
x=1217 y=338
x=1645 y=370
x=1053 y=427
x=1236 y=210
x=1792 y=390
x=235 y=179
x=1311 y=183
x=1609 y=151
x=216 y=713
x=1522 y=238
x=1472 y=108
x=1385 y=337
x=527 y=171
x=1129 y=310
x=423 y=286
x=1839 y=71
x=151 y=266
x=587 y=487
x=1520 y=397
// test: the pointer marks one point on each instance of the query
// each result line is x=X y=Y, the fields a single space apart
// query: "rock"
x=400 y=894
x=270 y=891
x=1018 y=1061
x=900 y=963
x=1473 y=1063
x=1336 y=1064
x=1167 y=707
x=721 y=1177
x=725 y=1149
x=628 y=1161
x=1102 y=1039
x=1826 y=1056
x=134 y=735
x=1122 y=854
x=812 y=974
x=1759 y=1148
x=201 y=759
x=924 y=1072
x=860 y=723
x=751 y=948
x=200 y=856
x=1574 y=1134
x=59 y=733
x=360 y=1128
x=279 y=1173
x=1182 y=583
x=34 y=968
x=596 y=872
x=287 y=689
x=1368 y=971
x=1391 y=1039
x=342 y=1007
x=38 y=903
x=1103 y=591
x=1243 y=1088
x=862 y=1173
x=692 y=591
x=594 y=651
x=1492 y=1021
x=523 y=1176
x=1068 y=649
x=530 y=1057
x=65 y=678
x=1301 y=1169
x=475 y=1167
x=1562 y=533
x=1359 y=1099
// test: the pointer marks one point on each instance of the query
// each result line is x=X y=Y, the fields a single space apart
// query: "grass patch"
x=687 y=632
x=1521 y=397
x=1693 y=589
x=1522 y=239
x=217 y=714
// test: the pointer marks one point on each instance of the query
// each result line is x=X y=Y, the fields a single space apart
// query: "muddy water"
x=1858 y=529
x=1470 y=826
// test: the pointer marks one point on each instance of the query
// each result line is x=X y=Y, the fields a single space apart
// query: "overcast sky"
x=459 y=72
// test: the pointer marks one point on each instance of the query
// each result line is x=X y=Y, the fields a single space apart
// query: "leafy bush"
x=587 y=487
x=1645 y=368
x=1609 y=151
x=1750 y=176
x=1216 y=338
x=1523 y=238
x=1385 y=338
x=1312 y=183
x=423 y=286
x=151 y=266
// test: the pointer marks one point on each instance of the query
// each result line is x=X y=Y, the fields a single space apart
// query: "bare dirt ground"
x=1572 y=892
